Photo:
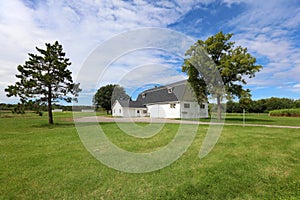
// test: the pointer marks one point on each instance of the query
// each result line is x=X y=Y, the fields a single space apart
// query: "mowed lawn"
x=258 y=118
x=39 y=161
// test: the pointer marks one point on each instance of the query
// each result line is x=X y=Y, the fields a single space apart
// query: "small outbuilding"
x=123 y=108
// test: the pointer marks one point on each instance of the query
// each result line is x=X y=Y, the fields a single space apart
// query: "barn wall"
x=194 y=110
x=117 y=110
x=164 y=110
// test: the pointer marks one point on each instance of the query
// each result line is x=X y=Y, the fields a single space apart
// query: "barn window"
x=172 y=105
x=186 y=105
x=202 y=106
x=145 y=111
x=120 y=111
x=138 y=111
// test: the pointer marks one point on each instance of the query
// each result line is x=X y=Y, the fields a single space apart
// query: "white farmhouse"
x=175 y=100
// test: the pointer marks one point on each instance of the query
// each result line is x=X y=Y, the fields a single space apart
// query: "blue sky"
x=269 y=29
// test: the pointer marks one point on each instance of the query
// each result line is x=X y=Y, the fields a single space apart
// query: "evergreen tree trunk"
x=50 y=115
x=219 y=107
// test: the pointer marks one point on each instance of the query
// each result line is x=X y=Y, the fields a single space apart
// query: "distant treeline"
x=20 y=108
x=262 y=105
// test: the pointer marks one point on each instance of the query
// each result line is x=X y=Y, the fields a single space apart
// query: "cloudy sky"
x=87 y=28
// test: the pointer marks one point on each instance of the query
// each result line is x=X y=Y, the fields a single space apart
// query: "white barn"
x=175 y=100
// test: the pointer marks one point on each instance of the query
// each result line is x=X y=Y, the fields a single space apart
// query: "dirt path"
x=170 y=121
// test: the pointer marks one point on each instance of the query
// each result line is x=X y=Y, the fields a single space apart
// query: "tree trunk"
x=50 y=116
x=219 y=107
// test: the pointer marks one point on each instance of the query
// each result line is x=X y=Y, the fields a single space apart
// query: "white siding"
x=57 y=110
x=204 y=111
x=133 y=112
x=164 y=110
x=119 y=111
x=194 y=110
x=142 y=112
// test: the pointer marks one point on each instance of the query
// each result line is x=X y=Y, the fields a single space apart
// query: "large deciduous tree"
x=44 y=78
x=233 y=63
x=107 y=95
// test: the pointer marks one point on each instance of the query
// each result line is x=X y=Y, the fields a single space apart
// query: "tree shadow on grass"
x=7 y=116
x=55 y=125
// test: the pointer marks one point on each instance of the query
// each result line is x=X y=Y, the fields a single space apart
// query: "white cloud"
x=297 y=86
x=230 y=2
x=267 y=29
x=136 y=58
x=80 y=25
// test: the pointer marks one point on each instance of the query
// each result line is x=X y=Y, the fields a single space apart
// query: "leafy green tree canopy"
x=261 y=105
x=108 y=94
x=234 y=64
x=44 y=78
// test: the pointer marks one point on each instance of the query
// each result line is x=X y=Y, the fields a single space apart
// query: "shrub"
x=285 y=113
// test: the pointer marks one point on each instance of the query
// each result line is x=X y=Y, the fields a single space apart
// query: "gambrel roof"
x=174 y=92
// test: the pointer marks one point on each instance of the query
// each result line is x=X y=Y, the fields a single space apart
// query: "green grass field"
x=40 y=161
x=259 y=118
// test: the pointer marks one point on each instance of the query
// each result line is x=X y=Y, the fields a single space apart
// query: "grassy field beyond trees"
x=286 y=113
x=41 y=161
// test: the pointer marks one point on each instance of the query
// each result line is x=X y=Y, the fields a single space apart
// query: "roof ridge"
x=165 y=86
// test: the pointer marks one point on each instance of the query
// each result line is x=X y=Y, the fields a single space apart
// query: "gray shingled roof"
x=131 y=104
x=180 y=91
x=161 y=94
x=157 y=96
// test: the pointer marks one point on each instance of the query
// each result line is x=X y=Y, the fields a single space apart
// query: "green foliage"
x=234 y=64
x=18 y=109
x=197 y=81
x=36 y=106
x=44 y=78
x=278 y=103
x=233 y=107
x=245 y=102
x=262 y=105
x=285 y=113
x=4 y=106
x=107 y=95
x=297 y=103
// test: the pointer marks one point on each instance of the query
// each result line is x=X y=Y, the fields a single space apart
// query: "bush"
x=285 y=113
x=18 y=109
